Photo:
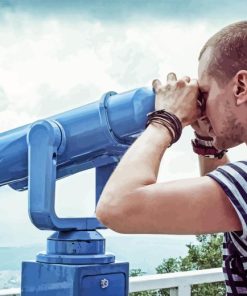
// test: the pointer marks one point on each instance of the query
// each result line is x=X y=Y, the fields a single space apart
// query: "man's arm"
x=207 y=165
x=132 y=201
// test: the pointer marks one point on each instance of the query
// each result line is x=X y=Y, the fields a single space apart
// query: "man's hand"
x=178 y=97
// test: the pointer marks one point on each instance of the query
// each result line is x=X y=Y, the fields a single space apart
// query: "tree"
x=206 y=254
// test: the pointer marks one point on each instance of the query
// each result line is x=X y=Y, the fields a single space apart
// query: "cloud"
x=47 y=67
x=3 y=100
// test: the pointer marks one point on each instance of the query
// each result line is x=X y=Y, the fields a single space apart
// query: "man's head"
x=223 y=81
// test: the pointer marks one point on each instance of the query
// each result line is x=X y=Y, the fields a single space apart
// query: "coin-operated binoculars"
x=34 y=156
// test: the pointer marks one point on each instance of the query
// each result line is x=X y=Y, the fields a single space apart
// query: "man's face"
x=221 y=113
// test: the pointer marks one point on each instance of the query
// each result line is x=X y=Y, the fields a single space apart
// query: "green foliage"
x=136 y=272
x=206 y=254
x=169 y=265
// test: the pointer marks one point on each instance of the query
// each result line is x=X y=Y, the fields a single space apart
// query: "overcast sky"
x=58 y=55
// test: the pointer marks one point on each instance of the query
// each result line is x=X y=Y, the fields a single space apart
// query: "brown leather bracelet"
x=168 y=120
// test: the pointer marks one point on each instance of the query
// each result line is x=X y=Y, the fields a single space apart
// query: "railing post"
x=181 y=291
x=184 y=290
x=174 y=292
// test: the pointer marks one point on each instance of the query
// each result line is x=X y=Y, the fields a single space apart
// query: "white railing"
x=179 y=283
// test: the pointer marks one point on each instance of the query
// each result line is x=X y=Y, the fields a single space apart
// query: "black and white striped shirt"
x=233 y=180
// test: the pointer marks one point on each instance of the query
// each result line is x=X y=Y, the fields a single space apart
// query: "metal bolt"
x=104 y=283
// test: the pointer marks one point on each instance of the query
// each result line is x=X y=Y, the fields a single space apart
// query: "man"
x=132 y=201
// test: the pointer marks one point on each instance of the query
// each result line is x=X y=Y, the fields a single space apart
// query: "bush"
x=206 y=254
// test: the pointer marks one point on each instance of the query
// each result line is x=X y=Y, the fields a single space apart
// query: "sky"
x=58 y=55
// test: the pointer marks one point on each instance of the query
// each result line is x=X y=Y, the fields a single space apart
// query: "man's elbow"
x=112 y=216
x=103 y=214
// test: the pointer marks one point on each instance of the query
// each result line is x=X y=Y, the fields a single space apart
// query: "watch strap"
x=207 y=151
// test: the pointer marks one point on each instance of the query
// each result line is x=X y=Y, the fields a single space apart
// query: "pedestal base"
x=42 y=279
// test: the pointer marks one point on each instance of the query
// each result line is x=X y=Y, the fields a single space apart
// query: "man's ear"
x=240 y=87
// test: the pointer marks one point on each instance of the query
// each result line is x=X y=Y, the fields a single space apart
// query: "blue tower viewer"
x=34 y=156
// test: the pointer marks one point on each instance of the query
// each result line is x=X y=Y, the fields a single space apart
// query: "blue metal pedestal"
x=75 y=264
x=74 y=280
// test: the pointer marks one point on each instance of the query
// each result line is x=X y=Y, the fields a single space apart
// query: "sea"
x=143 y=252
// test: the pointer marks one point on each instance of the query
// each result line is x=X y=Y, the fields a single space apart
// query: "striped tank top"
x=232 y=178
